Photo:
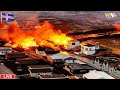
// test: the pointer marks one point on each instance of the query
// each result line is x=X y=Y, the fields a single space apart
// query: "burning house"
x=51 y=51
x=45 y=36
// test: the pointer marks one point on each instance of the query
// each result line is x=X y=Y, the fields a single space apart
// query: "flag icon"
x=8 y=17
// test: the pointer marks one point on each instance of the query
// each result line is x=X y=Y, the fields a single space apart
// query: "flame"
x=117 y=27
x=44 y=35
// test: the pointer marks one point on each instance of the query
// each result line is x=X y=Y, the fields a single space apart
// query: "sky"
x=93 y=17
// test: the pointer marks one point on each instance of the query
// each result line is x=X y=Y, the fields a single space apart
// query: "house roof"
x=70 y=58
x=76 y=66
x=75 y=41
x=89 y=45
x=59 y=56
x=41 y=70
x=16 y=55
x=26 y=59
x=93 y=74
x=53 y=76
x=39 y=66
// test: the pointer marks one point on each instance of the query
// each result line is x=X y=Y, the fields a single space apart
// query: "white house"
x=4 y=50
x=73 y=44
x=88 y=49
x=97 y=47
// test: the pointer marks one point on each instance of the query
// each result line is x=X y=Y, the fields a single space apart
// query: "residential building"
x=89 y=49
x=76 y=68
x=36 y=70
x=73 y=44
x=4 y=50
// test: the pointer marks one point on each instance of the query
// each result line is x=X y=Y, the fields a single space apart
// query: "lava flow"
x=117 y=27
x=44 y=35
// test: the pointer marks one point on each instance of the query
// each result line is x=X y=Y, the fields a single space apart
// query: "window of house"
x=82 y=47
x=90 y=49
x=86 y=49
x=73 y=43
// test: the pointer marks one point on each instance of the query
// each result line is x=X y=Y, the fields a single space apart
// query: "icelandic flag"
x=7 y=17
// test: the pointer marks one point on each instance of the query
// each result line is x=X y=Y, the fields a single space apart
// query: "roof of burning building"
x=47 y=50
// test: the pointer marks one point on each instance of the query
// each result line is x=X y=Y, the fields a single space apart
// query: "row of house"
x=109 y=64
x=87 y=49
x=44 y=72
x=72 y=64
x=76 y=67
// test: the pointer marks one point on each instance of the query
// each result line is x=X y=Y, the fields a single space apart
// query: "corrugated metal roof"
x=59 y=56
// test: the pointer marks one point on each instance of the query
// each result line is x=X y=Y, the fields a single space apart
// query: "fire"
x=42 y=35
x=27 y=42
x=117 y=27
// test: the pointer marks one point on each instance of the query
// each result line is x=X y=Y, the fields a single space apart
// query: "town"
x=77 y=62
x=44 y=52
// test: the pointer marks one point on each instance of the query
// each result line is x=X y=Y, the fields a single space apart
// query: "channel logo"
x=7 y=76
x=110 y=15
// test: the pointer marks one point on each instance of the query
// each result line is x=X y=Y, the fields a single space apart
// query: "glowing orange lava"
x=44 y=35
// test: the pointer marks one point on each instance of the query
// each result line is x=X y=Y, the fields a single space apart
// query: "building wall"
x=69 y=61
x=34 y=74
x=3 y=51
x=97 y=47
x=73 y=45
x=88 y=50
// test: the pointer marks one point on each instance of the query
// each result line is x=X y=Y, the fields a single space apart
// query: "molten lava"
x=44 y=35
x=117 y=27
